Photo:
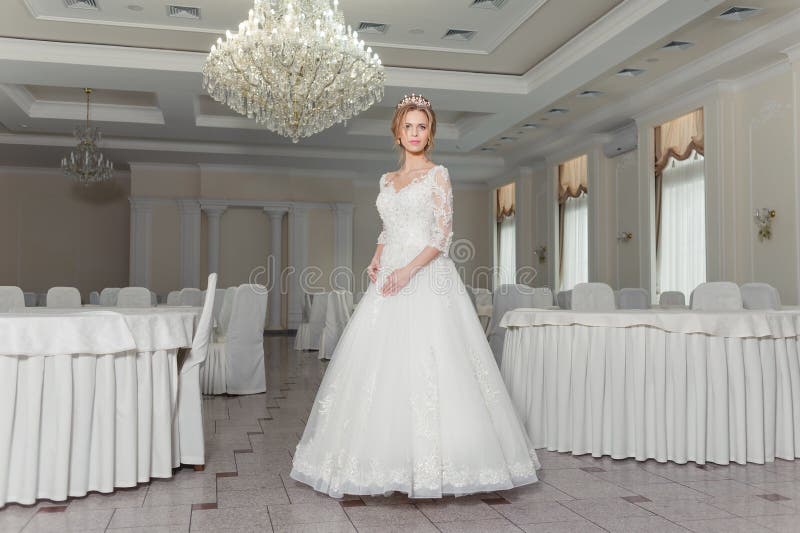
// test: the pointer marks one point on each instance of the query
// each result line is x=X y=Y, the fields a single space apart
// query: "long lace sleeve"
x=382 y=236
x=442 y=198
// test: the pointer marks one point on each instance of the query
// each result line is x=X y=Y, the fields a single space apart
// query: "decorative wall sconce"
x=763 y=217
x=541 y=253
x=624 y=236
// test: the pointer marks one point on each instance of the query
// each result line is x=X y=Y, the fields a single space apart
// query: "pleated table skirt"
x=70 y=424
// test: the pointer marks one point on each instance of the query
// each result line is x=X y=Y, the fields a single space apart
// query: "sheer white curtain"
x=507 y=253
x=682 y=247
x=575 y=256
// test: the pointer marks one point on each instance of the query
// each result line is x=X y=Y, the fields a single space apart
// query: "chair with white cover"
x=219 y=299
x=634 y=298
x=236 y=364
x=564 y=299
x=108 y=297
x=716 y=296
x=672 y=299
x=190 y=400
x=134 y=297
x=191 y=297
x=94 y=298
x=505 y=298
x=760 y=296
x=63 y=297
x=542 y=297
x=593 y=297
x=30 y=299
x=153 y=299
x=11 y=299
x=309 y=333
x=337 y=313
x=483 y=306
x=174 y=298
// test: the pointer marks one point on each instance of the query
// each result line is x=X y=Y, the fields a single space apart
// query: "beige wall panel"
x=471 y=227
x=165 y=181
x=244 y=245
x=624 y=172
x=165 y=260
x=320 y=247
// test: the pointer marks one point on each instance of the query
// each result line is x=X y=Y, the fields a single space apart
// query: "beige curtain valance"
x=505 y=202
x=572 y=179
x=678 y=138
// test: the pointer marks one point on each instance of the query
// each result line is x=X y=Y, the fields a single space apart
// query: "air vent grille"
x=558 y=111
x=738 y=14
x=631 y=72
x=590 y=94
x=372 y=27
x=82 y=4
x=488 y=4
x=677 y=45
x=183 y=12
x=459 y=35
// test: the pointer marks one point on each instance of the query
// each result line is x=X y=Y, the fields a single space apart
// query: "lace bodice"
x=420 y=214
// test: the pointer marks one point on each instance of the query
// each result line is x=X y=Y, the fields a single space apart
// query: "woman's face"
x=414 y=132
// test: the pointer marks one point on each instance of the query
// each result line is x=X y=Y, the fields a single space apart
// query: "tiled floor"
x=246 y=487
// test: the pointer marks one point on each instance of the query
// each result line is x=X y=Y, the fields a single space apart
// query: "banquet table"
x=665 y=384
x=88 y=399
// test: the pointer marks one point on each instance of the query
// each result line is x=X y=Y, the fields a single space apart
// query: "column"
x=343 y=246
x=274 y=262
x=213 y=217
x=793 y=54
x=523 y=226
x=298 y=260
x=190 y=243
x=141 y=242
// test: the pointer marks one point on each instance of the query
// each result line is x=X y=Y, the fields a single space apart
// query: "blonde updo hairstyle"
x=399 y=119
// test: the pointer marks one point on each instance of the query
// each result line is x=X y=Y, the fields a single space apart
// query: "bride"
x=412 y=400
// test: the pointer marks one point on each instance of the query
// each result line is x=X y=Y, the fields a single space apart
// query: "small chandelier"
x=295 y=67
x=86 y=165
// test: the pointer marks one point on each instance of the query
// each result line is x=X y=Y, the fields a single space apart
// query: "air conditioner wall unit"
x=623 y=141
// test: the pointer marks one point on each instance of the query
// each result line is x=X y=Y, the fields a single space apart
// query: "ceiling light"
x=652 y=60
x=738 y=14
x=677 y=45
x=459 y=35
x=488 y=4
x=23 y=125
x=86 y=164
x=590 y=94
x=631 y=72
x=530 y=126
x=558 y=111
x=184 y=12
x=372 y=27
x=487 y=149
x=507 y=139
x=135 y=7
x=416 y=31
x=82 y=4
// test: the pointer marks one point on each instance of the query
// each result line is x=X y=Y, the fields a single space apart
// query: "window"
x=506 y=237
x=573 y=220
x=680 y=231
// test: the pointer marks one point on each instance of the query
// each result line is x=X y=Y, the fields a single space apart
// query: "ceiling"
x=525 y=59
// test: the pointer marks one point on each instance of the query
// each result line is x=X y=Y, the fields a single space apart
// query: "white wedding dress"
x=412 y=400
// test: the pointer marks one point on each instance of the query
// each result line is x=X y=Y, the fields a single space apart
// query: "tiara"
x=415 y=99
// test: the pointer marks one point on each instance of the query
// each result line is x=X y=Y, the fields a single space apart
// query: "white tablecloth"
x=659 y=384
x=87 y=399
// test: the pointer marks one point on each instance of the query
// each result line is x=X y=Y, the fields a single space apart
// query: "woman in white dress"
x=412 y=400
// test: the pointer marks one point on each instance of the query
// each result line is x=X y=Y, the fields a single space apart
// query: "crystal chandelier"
x=295 y=67
x=85 y=164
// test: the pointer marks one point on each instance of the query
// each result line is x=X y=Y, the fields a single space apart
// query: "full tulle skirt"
x=412 y=400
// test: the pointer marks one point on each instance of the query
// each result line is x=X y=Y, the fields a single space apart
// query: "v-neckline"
x=410 y=183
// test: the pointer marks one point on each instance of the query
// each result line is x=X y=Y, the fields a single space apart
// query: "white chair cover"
x=760 y=296
x=593 y=297
x=716 y=296
x=225 y=312
x=213 y=373
x=11 y=299
x=134 y=297
x=63 y=297
x=153 y=299
x=542 y=297
x=505 y=298
x=307 y=299
x=672 y=299
x=309 y=333
x=564 y=299
x=94 y=298
x=192 y=297
x=174 y=298
x=337 y=313
x=219 y=299
x=616 y=299
x=30 y=299
x=483 y=306
x=634 y=299
x=190 y=401
x=108 y=297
